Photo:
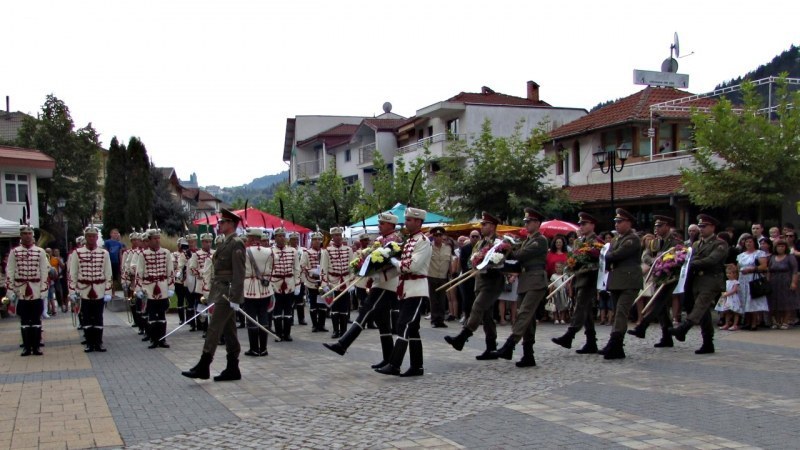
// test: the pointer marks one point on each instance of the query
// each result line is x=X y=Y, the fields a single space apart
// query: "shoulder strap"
x=253 y=263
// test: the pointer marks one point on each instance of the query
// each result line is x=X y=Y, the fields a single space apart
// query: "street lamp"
x=602 y=157
x=61 y=203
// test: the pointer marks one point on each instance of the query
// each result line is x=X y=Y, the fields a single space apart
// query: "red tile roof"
x=191 y=194
x=633 y=108
x=25 y=157
x=625 y=190
x=332 y=136
x=489 y=97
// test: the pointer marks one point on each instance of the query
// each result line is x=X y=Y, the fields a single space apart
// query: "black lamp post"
x=610 y=156
x=61 y=203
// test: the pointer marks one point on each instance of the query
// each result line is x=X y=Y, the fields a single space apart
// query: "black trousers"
x=157 y=318
x=182 y=293
x=30 y=319
x=408 y=333
x=192 y=300
x=283 y=314
x=93 y=320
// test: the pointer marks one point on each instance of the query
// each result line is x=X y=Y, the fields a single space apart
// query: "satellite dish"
x=675 y=46
x=669 y=65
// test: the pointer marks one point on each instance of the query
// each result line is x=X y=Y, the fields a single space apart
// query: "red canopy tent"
x=256 y=218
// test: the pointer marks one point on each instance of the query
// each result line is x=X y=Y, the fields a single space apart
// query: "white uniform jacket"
x=262 y=258
x=155 y=274
x=285 y=272
x=194 y=277
x=90 y=273
x=335 y=266
x=414 y=263
x=309 y=267
x=27 y=271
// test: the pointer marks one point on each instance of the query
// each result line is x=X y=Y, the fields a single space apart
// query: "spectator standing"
x=751 y=261
x=438 y=273
x=783 y=299
x=729 y=305
x=758 y=231
x=114 y=248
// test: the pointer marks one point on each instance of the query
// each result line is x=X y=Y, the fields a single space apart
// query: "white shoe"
x=428 y=317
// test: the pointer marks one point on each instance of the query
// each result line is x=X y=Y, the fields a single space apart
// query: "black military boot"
x=615 y=350
x=639 y=330
x=301 y=315
x=231 y=372
x=590 y=347
x=335 y=322
x=344 y=319
x=458 y=341
x=527 y=356
x=387 y=345
x=90 y=333
x=415 y=357
x=489 y=353
x=287 y=329
x=344 y=342
x=278 y=327
x=680 y=331
x=393 y=366
x=322 y=317
x=162 y=331
x=666 y=339
x=507 y=350
x=706 y=348
x=252 y=337
x=263 y=338
x=314 y=326
x=201 y=370
x=98 y=340
x=26 y=341
x=566 y=340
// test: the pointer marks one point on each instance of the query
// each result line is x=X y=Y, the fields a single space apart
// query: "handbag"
x=759 y=286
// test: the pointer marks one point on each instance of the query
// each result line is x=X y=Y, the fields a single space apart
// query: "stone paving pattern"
x=303 y=396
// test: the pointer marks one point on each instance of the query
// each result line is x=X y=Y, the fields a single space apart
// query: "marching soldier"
x=285 y=276
x=195 y=282
x=258 y=298
x=26 y=283
x=155 y=283
x=90 y=277
x=412 y=290
x=128 y=276
x=531 y=290
x=335 y=273
x=299 y=290
x=585 y=285
x=489 y=284
x=184 y=278
x=665 y=240
x=624 y=279
x=227 y=292
x=361 y=287
x=310 y=275
x=382 y=296
x=706 y=268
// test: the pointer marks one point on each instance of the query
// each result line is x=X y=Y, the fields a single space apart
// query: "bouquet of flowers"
x=361 y=256
x=497 y=258
x=376 y=257
x=584 y=257
x=667 y=267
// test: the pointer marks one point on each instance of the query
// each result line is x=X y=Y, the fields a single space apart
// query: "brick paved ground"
x=303 y=396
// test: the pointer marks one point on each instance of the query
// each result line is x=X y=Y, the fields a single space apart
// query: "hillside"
x=257 y=191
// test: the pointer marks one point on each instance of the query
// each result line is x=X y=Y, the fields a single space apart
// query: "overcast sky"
x=208 y=86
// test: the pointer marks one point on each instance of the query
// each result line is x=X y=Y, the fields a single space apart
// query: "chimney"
x=533 y=91
x=8 y=107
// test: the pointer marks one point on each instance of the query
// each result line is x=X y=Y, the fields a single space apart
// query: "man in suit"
x=706 y=269
x=624 y=279
x=489 y=284
x=531 y=290
x=585 y=286
x=665 y=240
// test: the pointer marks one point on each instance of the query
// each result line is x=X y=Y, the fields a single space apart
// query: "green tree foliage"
x=500 y=175
x=76 y=153
x=140 y=186
x=116 y=189
x=746 y=160
x=167 y=211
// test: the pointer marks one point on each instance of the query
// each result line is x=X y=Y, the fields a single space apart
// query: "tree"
x=140 y=186
x=500 y=175
x=116 y=188
x=77 y=163
x=746 y=160
x=167 y=212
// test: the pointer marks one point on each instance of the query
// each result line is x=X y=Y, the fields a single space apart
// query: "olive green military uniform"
x=532 y=287
x=707 y=268
x=488 y=286
x=660 y=304
x=227 y=285
x=585 y=287
x=625 y=276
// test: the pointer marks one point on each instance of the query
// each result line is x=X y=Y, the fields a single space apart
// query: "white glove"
x=297 y=290
x=125 y=286
x=235 y=306
x=395 y=262
x=140 y=295
x=107 y=298
x=170 y=293
x=74 y=297
x=12 y=296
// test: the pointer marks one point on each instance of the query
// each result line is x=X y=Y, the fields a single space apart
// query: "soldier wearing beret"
x=624 y=279
x=90 y=278
x=706 y=268
x=665 y=240
x=585 y=285
x=489 y=284
x=227 y=295
x=26 y=281
x=531 y=290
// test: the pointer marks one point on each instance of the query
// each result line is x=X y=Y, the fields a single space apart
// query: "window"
x=559 y=162
x=452 y=126
x=16 y=187
x=420 y=134
x=643 y=142
x=576 y=156
x=430 y=131
x=666 y=138
x=347 y=155
x=685 y=141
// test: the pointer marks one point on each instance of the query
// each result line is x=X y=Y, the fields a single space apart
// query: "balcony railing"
x=308 y=169
x=366 y=153
x=422 y=143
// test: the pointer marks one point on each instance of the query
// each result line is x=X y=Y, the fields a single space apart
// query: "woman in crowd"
x=751 y=261
x=556 y=254
x=783 y=300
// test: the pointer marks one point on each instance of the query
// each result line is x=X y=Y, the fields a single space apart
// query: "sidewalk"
x=303 y=396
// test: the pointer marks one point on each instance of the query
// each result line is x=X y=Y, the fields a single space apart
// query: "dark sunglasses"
x=701 y=225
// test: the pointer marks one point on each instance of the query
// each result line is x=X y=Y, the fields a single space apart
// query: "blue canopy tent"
x=398 y=210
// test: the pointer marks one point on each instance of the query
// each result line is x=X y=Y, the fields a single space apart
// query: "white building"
x=20 y=170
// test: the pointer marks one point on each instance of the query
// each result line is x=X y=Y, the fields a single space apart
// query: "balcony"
x=308 y=169
x=436 y=143
x=366 y=154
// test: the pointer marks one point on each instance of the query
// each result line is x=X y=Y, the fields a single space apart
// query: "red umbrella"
x=553 y=227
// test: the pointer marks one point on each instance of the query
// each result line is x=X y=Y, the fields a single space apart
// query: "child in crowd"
x=729 y=304
x=561 y=299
